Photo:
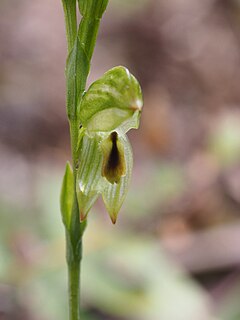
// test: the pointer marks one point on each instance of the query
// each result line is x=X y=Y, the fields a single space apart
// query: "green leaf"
x=110 y=101
x=89 y=174
x=114 y=194
x=67 y=193
x=92 y=8
x=77 y=70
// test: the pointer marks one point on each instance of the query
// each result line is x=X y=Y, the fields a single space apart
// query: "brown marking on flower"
x=114 y=166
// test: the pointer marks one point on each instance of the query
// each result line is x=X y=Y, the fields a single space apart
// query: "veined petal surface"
x=89 y=174
x=110 y=101
x=114 y=194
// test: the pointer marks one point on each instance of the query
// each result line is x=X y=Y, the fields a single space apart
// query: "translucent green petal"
x=130 y=123
x=89 y=174
x=114 y=194
x=111 y=101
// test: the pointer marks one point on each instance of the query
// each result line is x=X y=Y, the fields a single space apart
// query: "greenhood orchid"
x=99 y=119
x=108 y=110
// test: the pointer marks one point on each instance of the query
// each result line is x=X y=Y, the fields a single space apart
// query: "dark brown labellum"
x=113 y=158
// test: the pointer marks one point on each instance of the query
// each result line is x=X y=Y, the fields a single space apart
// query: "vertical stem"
x=74 y=131
x=74 y=237
x=74 y=291
x=70 y=15
x=88 y=30
x=87 y=34
x=73 y=263
x=75 y=226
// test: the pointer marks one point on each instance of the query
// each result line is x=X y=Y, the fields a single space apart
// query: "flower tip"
x=114 y=219
x=113 y=216
x=83 y=216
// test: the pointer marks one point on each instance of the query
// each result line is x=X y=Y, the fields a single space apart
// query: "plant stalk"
x=74 y=238
x=87 y=33
x=74 y=290
x=70 y=17
x=73 y=263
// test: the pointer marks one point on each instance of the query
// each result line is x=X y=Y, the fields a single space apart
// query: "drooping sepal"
x=113 y=194
x=67 y=194
x=89 y=174
x=111 y=101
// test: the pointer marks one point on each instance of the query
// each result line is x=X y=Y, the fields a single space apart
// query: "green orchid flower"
x=108 y=110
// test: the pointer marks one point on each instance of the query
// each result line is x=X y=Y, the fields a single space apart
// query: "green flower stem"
x=88 y=30
x=87 y=34
x=75 y=225
x=73 y=262
x=74 y=288
x=70 y=15
x=74 y=237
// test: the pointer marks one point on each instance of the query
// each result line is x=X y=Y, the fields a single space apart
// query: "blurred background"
x=174 y=253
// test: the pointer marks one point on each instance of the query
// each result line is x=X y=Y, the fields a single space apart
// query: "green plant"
x=99 y=119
